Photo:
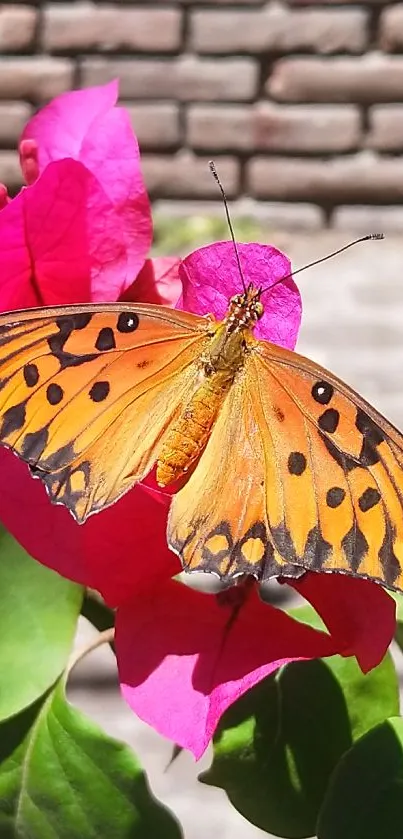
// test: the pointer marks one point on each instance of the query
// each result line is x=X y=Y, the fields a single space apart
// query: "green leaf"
x=38 y=617
x=277 y=747
x=61 y=777
x=364 y=798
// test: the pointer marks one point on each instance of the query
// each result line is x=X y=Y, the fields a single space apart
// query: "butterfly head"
x=246 y=308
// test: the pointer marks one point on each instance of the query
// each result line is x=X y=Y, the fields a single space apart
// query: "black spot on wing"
x=99 y=391
x=372 y=438
x=81 y=320
x=34 y=443
x=355 y=547
x=388 y=559
x=317 y=550
x=296 y=463
x=369 y=498
x=54 y=393
x=105 y=340
x=335 y=496
x=322 y=392
x=31 y=375
x=283 y=542
x=127 y=322
x=13 y=419
x=369 y=428
x=66 y=325
x=60 y=458
x=329 y=420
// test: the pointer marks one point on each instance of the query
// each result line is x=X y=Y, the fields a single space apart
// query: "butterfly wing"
x=87 y=393
x=316 y=478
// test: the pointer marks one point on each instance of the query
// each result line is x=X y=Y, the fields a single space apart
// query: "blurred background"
x=301 y=106
x=300 y=102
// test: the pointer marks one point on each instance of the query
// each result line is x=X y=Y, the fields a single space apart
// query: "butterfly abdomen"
x=189 y=434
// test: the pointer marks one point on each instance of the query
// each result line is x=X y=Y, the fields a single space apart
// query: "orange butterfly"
x=293 y=470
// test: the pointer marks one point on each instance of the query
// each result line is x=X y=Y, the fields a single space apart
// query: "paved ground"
x=353 y=324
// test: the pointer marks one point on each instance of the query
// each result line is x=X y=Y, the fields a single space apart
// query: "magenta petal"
x=157 y=282
x=61 y=241
x=60 y=127
x=29 y=161
x=4 y=196
x=86 y=125
x=358 y=613
x=182 y=661
x=117 y=552
x=44 y=241
x=210 y=276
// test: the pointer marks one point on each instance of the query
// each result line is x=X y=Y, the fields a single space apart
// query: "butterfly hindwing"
x=299 y=473
x=86 y=393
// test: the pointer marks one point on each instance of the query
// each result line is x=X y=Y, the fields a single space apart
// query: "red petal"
x=359 y=614
x=60 y=241
x=184 y=657
x=116 y=552
x=210 y=276
x=157 y=282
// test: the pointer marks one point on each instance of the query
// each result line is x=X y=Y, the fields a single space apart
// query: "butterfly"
x=287 y=468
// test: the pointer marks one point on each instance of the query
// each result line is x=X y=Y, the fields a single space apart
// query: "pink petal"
x=184 y=657
x=60 y=241
x=157 y=282
x=4 y=197
x=60 y=127
x=117 y=552
x=210 y=276
x=86 y=125
x=358 y=612
x=29 y=161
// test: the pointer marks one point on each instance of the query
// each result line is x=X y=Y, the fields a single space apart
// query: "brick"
x=373 y=78
x=156 y=125
x=385 y=131
x=37 y=78
x=86 y=26
x=300 y=3
x=275 y=216
x=10 y=170
x=224 y=2
x=391 y=28
x=366 y=219
x=186 y=78
x=17 y=28
x=361 y=178
x=270 y=127
x=277 y=29
x=187 y=176
x=13 y=118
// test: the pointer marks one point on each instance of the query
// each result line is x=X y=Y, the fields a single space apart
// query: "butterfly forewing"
x=342 y=470
x=88 y=392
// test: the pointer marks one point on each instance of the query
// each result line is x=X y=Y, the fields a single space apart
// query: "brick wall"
x=300 y=103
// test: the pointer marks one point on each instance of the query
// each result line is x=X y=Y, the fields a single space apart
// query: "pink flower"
x=80 y=231
x=184 y=657
x=210 y=276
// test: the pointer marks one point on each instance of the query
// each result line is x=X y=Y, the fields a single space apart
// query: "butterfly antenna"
x=214 y=173
x=370 y=236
